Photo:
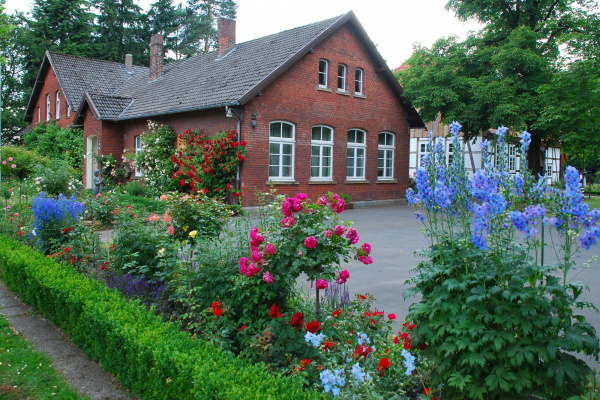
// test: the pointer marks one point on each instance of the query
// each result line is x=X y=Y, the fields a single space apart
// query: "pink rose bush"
x=302 y=236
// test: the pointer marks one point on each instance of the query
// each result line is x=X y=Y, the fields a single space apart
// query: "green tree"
x=121 y=28
x=166 y=19
x=11 y=70
x=494 y=76
x=200 y=34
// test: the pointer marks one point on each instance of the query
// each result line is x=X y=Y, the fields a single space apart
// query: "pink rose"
x=297 y=204
x=391 y=316
x=13 y=166
x=287 y=222
x=322 y=284
x=352 y=235
x=286 y=207
x=310 y=242
x=365 y=259
x=344 y=275
x=10 y=158
x=299 y=253
x=322 y=201
x=270 y=249
x=170 y=230
x=367 y=248
x=339 y=230
x=327 y=233
x=4 y=162
x=256 y=256
x=267 y=277
x=257 y=241
x=301 y=196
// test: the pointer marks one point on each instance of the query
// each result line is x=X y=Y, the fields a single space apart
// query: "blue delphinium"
x=332 y=381
x=52 y=216
x=314 y=339
x=525 y=142
x=358 y=373
x=409 y=362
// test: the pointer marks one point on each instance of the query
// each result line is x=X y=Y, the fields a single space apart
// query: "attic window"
x=57 y=105
x=47 y=107
x=358 y=81
x=323 y=73
x=341 y=78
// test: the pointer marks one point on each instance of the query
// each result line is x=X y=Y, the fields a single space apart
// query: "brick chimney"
x=225 y=36
x=129 y=62
x=156 y=56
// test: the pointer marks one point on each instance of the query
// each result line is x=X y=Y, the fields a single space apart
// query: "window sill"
x=315 y=182
x=343 y=93
x=382 y=180
x=356 y=181
x=323 y=89
x=270 y=182
x=360 y=96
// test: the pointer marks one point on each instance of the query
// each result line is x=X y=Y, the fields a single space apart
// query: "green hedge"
x=152 y=358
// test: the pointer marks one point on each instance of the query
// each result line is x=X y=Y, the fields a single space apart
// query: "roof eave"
x=232 y=103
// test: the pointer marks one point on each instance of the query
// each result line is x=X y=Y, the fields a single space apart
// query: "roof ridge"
x=53 y=53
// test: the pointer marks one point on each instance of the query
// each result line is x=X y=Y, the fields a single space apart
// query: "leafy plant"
x=55 y=179
x=155 y=160
x=189 y=212
x=18 y=162
x=52 y=141
x=208 y=163
x=498 y=321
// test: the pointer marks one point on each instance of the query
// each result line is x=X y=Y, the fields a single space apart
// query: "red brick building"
x=317 y=106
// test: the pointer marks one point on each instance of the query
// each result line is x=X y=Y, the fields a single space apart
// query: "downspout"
x=238 y=115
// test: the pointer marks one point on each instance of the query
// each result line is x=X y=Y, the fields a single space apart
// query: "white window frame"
x=281 y=142
x=512 y=158
x=323 y=74
x=68 y=111
x=39 y=114
x=423 y=151
x=354 y=147
x=139 y=147
x=358 y=81
x=48 y=107
x=341 y=78
x=450 y=155
x=386 y=172
x=58 y=105
x=321 y=145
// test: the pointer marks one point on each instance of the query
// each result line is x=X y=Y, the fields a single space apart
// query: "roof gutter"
x=233 y=103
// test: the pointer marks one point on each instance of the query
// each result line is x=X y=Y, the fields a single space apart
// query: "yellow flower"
x=193 y=234
x=161 y=252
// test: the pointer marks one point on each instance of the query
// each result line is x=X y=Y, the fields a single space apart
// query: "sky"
x=393 y=25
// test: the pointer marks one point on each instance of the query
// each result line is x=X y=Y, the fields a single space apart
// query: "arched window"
x=357 y=145
x=281 y=151
x=385 y=156
x=321 y=153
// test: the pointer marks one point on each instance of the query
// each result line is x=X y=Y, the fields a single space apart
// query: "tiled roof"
x=205 y=81
x=78 y=75
x=107 y=107
x=199 y=82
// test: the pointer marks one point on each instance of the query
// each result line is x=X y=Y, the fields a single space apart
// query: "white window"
x=512 y=158
x=321 y=153
x=341 y=78
x=450 y=153
x=138 y=150
x=323 y=73
x=424 y=150
x=281 y=151
x=358 y=81
x=47 y=107
x=357 y=145
x=68 y=111
x=39 y=115
x=57 y=105
x=385 y=156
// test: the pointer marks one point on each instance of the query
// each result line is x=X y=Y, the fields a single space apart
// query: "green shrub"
x=54 y=142
x=18 y=162
x=196 y=213
x=149 y=204
x=56 y=178
x=137 y=188
x=152 y=358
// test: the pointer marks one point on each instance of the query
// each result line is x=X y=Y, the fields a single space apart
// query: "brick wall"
x=51 y=86
x=294 y=97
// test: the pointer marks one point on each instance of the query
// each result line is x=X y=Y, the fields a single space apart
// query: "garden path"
x=80 y=372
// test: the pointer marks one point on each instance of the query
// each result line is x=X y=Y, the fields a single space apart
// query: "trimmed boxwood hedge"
x=152 y=358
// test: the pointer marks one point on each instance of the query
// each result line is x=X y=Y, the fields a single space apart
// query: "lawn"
x=594 y=201
x=27 y=374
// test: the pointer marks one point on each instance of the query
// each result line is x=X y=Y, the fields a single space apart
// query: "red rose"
x=336 y=313
x=182 y=182
x=67 y=230
x=313 y=327
x=275 y=311
x=426 y=391
x=297 y=320
x=216 y=307
x=384 y=363
x=242 y=328
x=391 y=316
x=411 y=327
x=363 y=297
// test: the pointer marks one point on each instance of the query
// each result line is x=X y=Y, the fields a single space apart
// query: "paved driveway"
x=394 y=235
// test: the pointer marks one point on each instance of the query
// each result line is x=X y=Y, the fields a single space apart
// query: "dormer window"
x=341 y=78
x=323 y=73
x=358 y=81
